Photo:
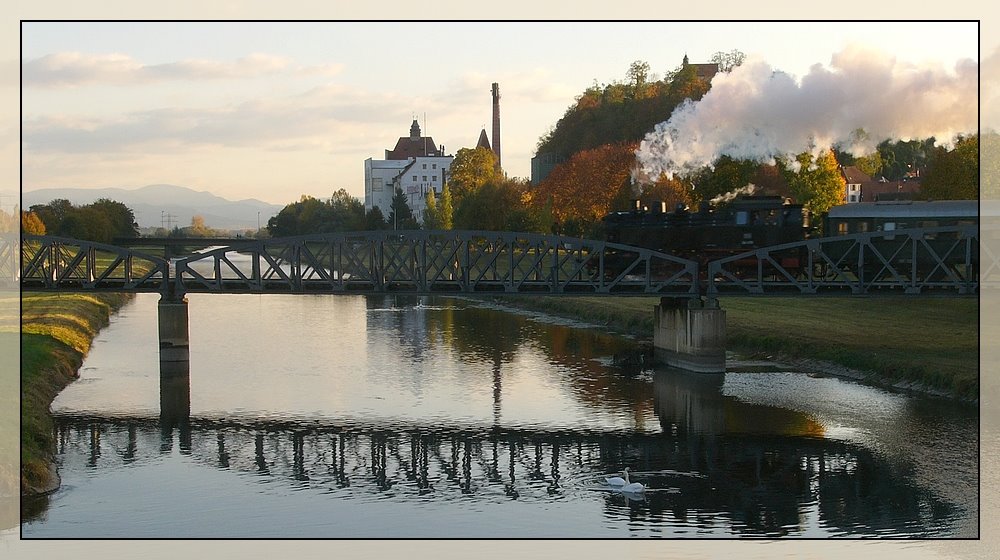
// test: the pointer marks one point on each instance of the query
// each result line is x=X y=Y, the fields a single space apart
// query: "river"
x=350 y=416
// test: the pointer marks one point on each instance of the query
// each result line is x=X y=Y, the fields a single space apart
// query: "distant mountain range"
x=153 y=203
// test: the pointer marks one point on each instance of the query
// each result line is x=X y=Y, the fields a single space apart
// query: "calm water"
x=340 y=416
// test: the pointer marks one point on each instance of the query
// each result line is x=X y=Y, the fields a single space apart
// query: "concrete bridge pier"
x=690 y=333
x=172 y=315
x=175 y=367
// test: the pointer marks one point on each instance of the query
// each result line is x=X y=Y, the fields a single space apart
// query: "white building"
x=415 y=166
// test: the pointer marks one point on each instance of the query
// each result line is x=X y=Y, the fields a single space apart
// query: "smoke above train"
x=863 y=97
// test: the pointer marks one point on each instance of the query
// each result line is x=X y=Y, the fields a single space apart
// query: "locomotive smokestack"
x=496 y=122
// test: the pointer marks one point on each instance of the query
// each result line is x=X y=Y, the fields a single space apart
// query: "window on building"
x=425 y=166
x=434 y=166
x=425 y=178
x=414 y=177
x=377 y=185
x=434 y=177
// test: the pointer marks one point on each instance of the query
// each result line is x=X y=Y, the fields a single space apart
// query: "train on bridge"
x=754 y=223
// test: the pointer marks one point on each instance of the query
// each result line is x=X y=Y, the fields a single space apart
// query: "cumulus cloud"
x=759 y=113
x=69 y=69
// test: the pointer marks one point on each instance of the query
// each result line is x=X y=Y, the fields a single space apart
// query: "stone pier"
x=175 y=376
x=690 y=333
x=172 y=317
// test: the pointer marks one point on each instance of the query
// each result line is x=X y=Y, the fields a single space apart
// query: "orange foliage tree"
x=588 y=185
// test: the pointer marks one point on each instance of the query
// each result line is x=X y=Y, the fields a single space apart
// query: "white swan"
x=625 y=486
x=617 y=480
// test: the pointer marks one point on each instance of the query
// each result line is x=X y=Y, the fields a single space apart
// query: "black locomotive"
x=746 y=223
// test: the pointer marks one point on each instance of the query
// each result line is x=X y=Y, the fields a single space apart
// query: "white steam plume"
x=749 y=189
x=758 y=113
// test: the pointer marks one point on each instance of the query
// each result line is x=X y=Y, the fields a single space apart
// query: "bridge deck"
x=930 y=261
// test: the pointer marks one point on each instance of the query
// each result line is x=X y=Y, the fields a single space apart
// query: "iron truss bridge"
x=929 y=261
x=400 y=262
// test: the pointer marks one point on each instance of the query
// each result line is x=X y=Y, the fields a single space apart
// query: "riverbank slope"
x=927 y=345
x=56 y=333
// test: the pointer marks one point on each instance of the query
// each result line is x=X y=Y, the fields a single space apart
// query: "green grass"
x=930 y=341
x=57 y=330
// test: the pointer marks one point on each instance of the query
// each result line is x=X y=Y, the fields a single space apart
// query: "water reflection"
x=764 y=485
x=452 y=406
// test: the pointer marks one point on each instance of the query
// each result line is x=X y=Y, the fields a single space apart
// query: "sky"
x=273 y=111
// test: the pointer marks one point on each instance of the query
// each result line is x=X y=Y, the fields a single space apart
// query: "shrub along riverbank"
x=924 y=344
x=56 y=333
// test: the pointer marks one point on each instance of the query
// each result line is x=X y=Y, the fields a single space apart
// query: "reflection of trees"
x=693 y=403
x=479 y=334
x=747 y=484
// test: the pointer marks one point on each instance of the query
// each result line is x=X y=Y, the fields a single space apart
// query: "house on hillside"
x=855 y=179
x=862 y=188
x=705 y=71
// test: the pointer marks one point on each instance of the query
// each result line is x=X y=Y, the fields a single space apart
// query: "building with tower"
x=415 y=165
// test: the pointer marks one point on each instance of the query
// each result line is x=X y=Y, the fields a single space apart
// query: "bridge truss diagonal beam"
x=51 y=263
x=930 y=261
x=436 y=262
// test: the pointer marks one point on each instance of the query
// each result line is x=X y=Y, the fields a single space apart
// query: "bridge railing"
x=10 y=248
x=436 y=262
x=911 y=261
x=57 y=263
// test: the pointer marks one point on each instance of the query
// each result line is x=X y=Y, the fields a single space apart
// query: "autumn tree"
x=818 y=183
x=8 y=222
x=953 y=174
x=471 y=169
x=586 y=187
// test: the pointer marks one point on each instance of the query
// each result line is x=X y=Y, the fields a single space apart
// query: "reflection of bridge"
x=688 y=332
x=754 y=485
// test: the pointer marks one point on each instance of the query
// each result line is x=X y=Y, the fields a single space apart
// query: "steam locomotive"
x=750 y=222
x=747 y=223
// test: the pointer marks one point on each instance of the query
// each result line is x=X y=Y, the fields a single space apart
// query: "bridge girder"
x=928 y=261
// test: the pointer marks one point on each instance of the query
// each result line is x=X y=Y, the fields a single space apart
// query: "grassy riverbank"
x=56 y=333
x=928 y=342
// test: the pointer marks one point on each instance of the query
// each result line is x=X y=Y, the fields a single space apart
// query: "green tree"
x=953 y=174
x=121 y=216
x=342 y=212
x=431 y=221
x=53 y=213
x=400 y=213
x=818 y=184
x=726 y=176
x=445 y=209
x=374 y=219
x=499 y=206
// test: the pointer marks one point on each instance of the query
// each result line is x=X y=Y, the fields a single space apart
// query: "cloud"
x=317 y=117
x=74 y=69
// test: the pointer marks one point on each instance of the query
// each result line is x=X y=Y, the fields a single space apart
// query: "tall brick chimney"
x=496 y=122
